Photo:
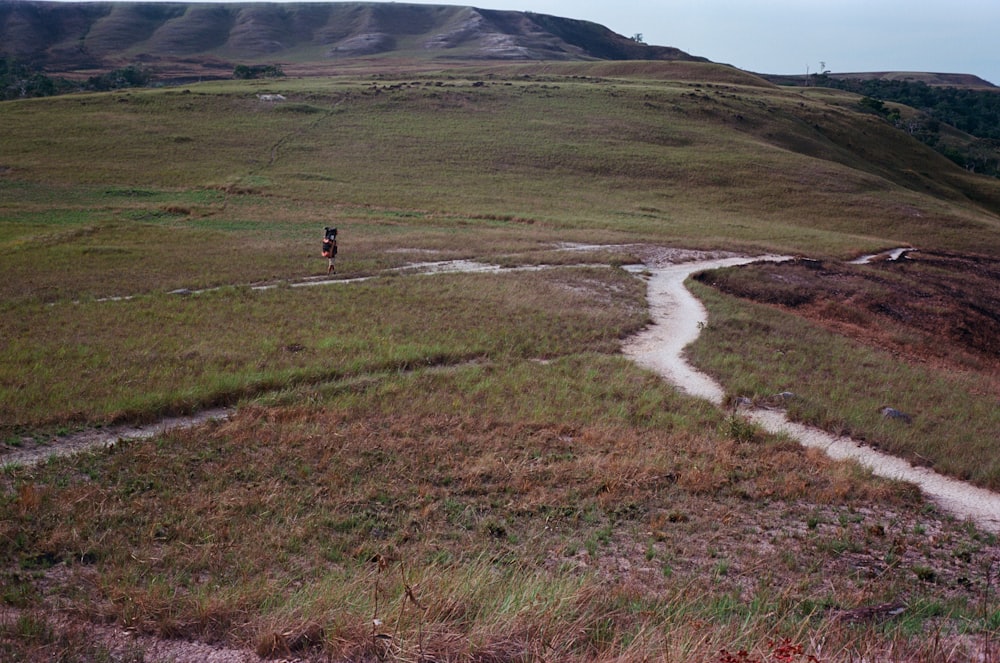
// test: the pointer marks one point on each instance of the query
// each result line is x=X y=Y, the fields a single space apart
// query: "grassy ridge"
x=624 y=154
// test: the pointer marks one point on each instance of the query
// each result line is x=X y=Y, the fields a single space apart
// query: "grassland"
x=461 y=467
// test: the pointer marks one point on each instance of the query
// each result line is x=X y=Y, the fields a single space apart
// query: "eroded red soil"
x=929 y=306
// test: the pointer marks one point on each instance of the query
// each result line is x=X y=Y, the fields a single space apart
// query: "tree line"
x=975 y=112
x=19 y=80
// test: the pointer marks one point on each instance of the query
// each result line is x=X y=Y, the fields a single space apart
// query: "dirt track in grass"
x=678 y=317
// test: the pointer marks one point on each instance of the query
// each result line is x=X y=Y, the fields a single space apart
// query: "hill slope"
x=64 y=37
x=548 y=497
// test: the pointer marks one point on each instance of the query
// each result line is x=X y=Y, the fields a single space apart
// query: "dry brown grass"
x=584 y=537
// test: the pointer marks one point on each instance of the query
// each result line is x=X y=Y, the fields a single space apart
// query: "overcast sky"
x=789 y=36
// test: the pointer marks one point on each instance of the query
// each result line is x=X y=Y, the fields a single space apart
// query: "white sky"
x=787 y=36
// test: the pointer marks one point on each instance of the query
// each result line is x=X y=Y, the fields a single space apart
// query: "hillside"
x=442 y=451
x=68 y=37
x=956 y=114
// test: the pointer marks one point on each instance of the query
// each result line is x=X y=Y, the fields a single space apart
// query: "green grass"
x=502 y=511
x=640 y=156
x=539 y=496
x=165 y=352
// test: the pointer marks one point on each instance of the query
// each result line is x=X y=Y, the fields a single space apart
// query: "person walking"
x=330 y=248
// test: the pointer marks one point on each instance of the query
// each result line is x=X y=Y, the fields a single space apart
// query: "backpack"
x=329 y=242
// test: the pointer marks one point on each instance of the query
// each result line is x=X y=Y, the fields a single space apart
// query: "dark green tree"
x=125 y=77
x=245 y=72
x=19 y=81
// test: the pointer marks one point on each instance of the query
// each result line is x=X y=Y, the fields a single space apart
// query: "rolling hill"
x=68 y=37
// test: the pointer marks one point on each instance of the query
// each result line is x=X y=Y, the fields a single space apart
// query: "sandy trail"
x=678 y=317
x=892 y=256
x=105 y=437
x=956 y=497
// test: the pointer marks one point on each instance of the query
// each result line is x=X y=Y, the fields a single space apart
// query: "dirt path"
x=36 y=452
x=678 y=317
x=91 y=438
x=956 y=497
x=892 y=256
